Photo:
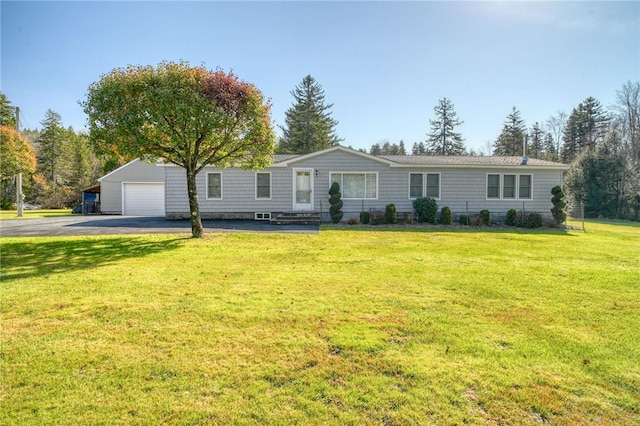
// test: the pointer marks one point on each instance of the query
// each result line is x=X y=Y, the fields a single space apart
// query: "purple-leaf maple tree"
x=189 y=116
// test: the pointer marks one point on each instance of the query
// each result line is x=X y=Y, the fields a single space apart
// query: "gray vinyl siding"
x=461 y=187
x=238 y=191
x=458 y=186
x=111 y=184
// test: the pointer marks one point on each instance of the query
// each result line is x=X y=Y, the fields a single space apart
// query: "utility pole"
x=19 y=194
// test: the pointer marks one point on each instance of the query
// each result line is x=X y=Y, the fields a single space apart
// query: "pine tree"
x=418 y=148
x=536 y=141
x=550 y=153
x=510 y=140
x=50 y=145
x=401 y=149
x=586 y=128
x=597 y=178
x=384 y=147
x=80 y=165
x=7 y=116
x=442 y=139
x=308 y=126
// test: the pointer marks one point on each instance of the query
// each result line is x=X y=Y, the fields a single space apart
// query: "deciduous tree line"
x=56 y=162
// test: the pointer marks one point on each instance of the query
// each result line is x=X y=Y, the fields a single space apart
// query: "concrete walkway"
x=109 y=225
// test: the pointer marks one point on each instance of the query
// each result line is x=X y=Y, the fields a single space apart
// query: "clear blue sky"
x=383 y=65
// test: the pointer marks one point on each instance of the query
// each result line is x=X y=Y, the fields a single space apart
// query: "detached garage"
x=135 y=189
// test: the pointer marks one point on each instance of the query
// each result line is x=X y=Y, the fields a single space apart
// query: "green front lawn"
x=344 y=327
x=13 y=214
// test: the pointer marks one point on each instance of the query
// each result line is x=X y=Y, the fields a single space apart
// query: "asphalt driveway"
x=109 y=225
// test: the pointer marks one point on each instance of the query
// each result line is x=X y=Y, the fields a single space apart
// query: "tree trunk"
x=194 y=209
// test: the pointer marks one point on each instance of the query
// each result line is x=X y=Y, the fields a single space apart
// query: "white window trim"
x=501 y=187
x=221 y=186
x=530 y=186
x=422 y=187
x=424 y=184
x=355 y=173
x=256 y=186
x=486 y=187
x=426 y=180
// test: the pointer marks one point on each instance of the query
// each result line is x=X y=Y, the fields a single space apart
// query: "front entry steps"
x=307 y=218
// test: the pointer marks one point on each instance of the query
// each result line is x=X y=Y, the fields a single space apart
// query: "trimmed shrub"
x=365 y=217
x=464 y=219
x=533 y=220
x=445 y=216
x=486 y=217
x=335 y=211
x=426 y=209
x=511 y=218
x=390 y=214
x=558 y=211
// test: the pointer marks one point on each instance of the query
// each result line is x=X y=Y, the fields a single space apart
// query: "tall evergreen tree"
x=586 y=127
x=442 y=139
x=550 y=153
x=597 y=178
x=418 y=148
x=7 y=115
x=81 y=167
x=536 y=141
x=510 y=140
x=308 y=126
x=50 y=147
x=387 y=148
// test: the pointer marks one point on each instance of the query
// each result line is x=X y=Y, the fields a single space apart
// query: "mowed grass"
x=345 y=327
x=26 y=214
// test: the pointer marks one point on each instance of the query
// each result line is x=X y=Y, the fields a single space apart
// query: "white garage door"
x=143 y=199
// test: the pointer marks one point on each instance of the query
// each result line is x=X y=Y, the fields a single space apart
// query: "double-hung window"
x=424 y=185
x=415 y=185
x=214 y=186
x=433 y=185
x=509 y=187
x=524 y=188
x=493 y=186
x=357 y=185
x=263 y=186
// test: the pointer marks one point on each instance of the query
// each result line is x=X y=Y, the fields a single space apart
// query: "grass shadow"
x=29 y=259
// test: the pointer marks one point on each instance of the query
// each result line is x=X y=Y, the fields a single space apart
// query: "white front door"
x=303 y=189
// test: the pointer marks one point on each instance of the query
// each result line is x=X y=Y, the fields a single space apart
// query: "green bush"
x=533 y=220
x=6 y=204
x=511 y=218
x=426 y=208
x=390 y=214
x=445 y=216
x=486 y=217
x=464 y=219
x=558 y=211
x=335 y=211
x=365 y=217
